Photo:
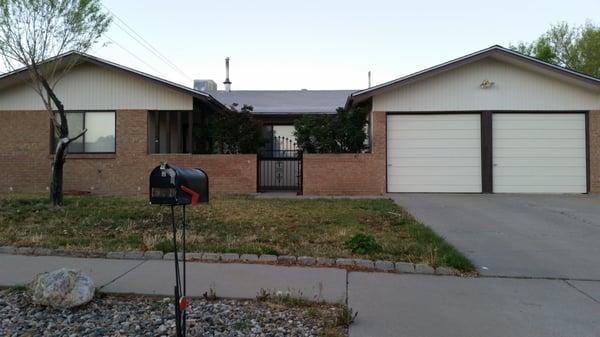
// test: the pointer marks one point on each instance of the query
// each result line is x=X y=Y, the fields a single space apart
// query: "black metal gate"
x=279 y=166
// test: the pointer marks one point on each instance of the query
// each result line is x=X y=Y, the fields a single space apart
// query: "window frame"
x=83 y=112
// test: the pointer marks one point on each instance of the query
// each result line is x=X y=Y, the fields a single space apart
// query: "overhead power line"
x=144 y=43
x=134 y=55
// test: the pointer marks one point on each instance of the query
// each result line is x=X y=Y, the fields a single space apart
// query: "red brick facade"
x=349 y=174
x=25 y=159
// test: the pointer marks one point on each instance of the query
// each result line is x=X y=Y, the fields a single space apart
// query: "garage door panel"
x=396 y=144
x=540 y=162
x=558 y=153
x=434 y=153
x=530 y=172
x=537 y=134
x=434 y=188
x=541 y=143
x=424 y=161
x=431 y=134
x=539 y=153
x=539 y=188
x=435 y=171
x=556 y=123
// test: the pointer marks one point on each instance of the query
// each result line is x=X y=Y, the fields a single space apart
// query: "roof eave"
x=111 y=65
x=362 y=95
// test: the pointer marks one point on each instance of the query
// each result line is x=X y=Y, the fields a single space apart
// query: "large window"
x=100 y=135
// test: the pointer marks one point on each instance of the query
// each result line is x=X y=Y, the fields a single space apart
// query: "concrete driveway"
x=540 y=236
x=540 y=256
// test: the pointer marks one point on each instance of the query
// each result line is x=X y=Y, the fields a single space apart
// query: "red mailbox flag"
x=195 y=196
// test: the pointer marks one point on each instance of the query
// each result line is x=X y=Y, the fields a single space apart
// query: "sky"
x=326 y=44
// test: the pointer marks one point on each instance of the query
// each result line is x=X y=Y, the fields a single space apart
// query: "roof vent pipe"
x=369 y=75
x=227 y=81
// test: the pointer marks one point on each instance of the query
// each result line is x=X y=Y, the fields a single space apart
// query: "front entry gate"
x=279 y=166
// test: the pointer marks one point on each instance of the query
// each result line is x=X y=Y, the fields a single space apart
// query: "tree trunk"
x=60 y=153
x=56 y=190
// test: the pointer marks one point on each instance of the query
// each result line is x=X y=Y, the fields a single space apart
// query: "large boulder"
x=62 y=288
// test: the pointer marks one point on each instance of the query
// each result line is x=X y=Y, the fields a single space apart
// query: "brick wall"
x=25 y=159
x=594 y=144
x=349 y=174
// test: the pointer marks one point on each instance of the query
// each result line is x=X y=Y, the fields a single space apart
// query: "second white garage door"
x=539 y=153
x=434 y=153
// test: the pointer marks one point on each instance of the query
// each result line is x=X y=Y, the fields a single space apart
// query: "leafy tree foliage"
x=576 y=48
x=229 y=132
x=343 y=132
x=32 y=32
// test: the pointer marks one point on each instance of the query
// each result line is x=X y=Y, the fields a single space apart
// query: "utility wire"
x=134 y=55
x=144 y=43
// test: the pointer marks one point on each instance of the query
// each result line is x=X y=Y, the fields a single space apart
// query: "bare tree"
x=35 y=34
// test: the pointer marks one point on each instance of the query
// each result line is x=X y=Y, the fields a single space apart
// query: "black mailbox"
x=173 y=185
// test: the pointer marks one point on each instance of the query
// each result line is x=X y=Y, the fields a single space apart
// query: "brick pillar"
x=594 y=145
x=379 y=147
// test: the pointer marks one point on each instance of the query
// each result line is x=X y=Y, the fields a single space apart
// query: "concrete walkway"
x=156 y=277
x=387 y=304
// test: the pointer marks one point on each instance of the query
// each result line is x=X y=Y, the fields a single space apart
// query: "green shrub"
x=363 y=244
x=343 y=132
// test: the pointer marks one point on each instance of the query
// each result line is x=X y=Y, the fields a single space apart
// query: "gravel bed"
x=146 y=316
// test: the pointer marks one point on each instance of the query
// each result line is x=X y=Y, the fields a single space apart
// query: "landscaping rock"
x=267 y=258
x=422 y=268
x=153 y=255
x=306 y=260
x=325 y=261
x=115 y=255
x=8 y=250
x=62 y=288
x=134 y=255
x=211 y=257
x=151 y=316
x=286 y=259
x=193 y=256
x=344 y=262
x=171 y=256
x=446 y=271
x=63 y=252
x=25 y=250
x=230 y=257
x=42 y=251
x=405 y=267
x=363 y=263
x=384 y=265
x=249 y=257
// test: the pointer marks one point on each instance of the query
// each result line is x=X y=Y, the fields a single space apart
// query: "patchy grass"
x=338 y=317
x=240 y=224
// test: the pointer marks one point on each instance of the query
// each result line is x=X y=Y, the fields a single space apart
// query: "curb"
x=286 y=260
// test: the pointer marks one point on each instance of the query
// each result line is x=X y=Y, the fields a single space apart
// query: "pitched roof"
x=284 y=102
x=495 y=50
x=22 y=75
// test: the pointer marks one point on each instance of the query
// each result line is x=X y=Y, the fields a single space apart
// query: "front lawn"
x=241 y=224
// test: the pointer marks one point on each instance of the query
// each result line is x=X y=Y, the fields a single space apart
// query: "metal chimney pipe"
x=369 y=75
x=227 y=81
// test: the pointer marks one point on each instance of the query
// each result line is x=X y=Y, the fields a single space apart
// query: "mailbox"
x=174 y=185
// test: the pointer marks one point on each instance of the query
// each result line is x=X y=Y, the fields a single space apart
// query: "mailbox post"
x=178 y=186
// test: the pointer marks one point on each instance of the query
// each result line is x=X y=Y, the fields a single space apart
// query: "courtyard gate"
x=279 y=166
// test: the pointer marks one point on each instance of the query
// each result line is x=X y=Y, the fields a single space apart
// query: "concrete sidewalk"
x=425 y=306
x=387 y=304
x=154 y=277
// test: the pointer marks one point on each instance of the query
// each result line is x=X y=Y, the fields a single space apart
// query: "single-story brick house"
x=492 y=121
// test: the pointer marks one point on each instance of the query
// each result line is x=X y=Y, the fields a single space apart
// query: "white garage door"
x=434 y=153
x=539 y=153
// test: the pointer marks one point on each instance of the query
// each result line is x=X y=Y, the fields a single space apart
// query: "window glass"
x=100 y=135
x=75 y=123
